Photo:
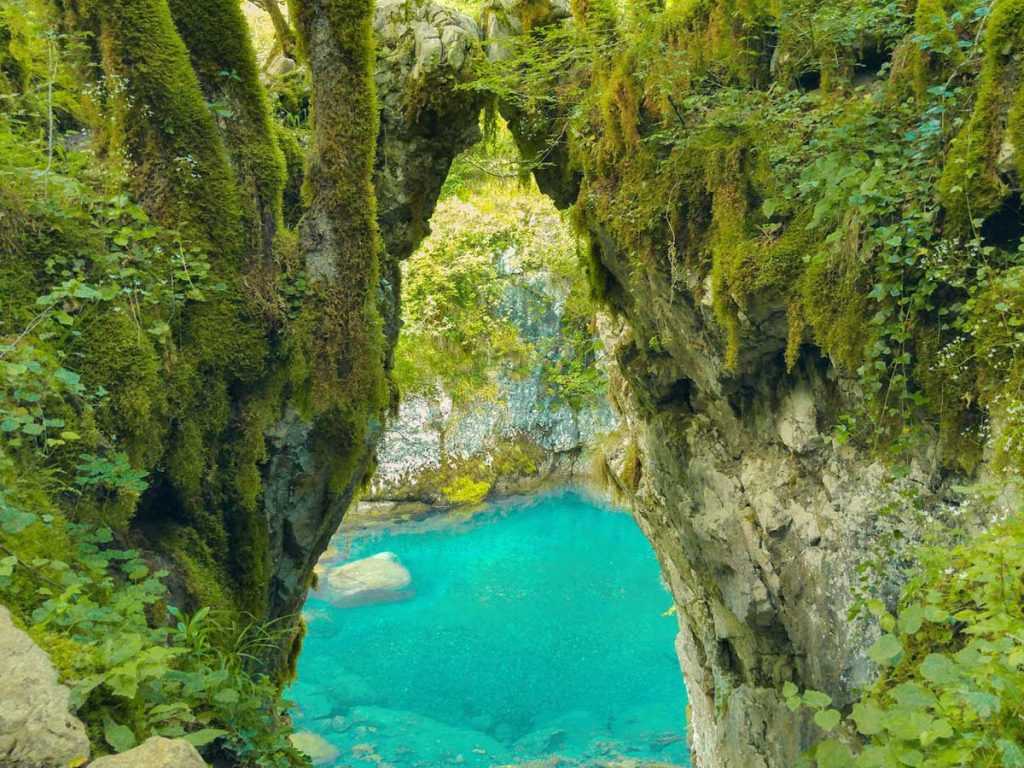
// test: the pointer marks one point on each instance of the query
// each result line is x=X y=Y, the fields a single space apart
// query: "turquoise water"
x=535 y=630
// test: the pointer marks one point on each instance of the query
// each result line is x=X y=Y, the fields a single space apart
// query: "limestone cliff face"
x=523 y=437
x=758 y=516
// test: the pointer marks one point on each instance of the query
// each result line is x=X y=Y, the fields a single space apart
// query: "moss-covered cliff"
x=191 y=388
x=803 y=218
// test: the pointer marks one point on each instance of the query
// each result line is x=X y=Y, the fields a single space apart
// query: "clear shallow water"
x=536 y=630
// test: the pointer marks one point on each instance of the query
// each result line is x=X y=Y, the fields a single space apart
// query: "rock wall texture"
x=37 y=729
x=758 y=516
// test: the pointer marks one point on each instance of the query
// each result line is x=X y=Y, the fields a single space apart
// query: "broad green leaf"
x=885 y=649
x=913 y=696
x=1013 y=753
x=985 y=704
x=868 y=717
x=15 y=521
x=69 y=379
x=827 y=719
x=935 y=614
x=911 y=619
x=911 y=757
x=832 y=754
x=205 y=736
x=119 y=737
x=817 y=699
x=939 y=669
x=940 y=729
x=907 y=725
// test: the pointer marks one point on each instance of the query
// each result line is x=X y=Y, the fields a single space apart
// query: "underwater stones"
x=432 y=741
x=546 y=740
x=317 y=748
x=37 y=729
x=317 y=703
x=377 y=579
x=155 y=752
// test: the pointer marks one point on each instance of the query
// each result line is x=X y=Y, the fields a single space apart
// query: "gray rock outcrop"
x=758 y=515
x=432 y=432
x=155 y=752
x=37 y=729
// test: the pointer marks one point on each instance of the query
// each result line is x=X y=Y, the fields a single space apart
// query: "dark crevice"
x=728 y=660
x=870 y=62
x=677 y=397
x=809 y=81
x=1005 y=227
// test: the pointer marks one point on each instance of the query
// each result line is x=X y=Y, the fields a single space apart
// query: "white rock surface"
x=155 y=752
x=37 y=729
x=377 y=579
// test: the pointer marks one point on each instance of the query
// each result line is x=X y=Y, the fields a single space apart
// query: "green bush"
x=137 y=667
x=951 y=691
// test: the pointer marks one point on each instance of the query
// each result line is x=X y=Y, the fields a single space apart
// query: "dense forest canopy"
x=199 y=310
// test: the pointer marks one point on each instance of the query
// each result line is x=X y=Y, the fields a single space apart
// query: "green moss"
x=294 y=649
x=464 y=491
x=182 y=172
x=207 y=580
x=599 y=278
x=220 y=45
x=115 y=352
x=339 y=337
x=972 y=187
x=833 y=300
x=295 y=163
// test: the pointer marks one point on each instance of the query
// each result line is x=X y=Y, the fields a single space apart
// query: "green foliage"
x=491 y=238
x=806 y=180
x=952 y=666
x=100 y=612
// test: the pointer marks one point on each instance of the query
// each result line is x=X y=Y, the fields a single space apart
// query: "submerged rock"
x=155 y=752
x=377 y=579
x=390 y=733
x=37 y=729
x=317 y=748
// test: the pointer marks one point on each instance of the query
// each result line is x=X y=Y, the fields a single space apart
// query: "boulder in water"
x=377 y=579
x=317 y=748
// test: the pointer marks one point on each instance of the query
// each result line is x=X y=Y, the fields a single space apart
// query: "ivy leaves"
x=951 y=692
